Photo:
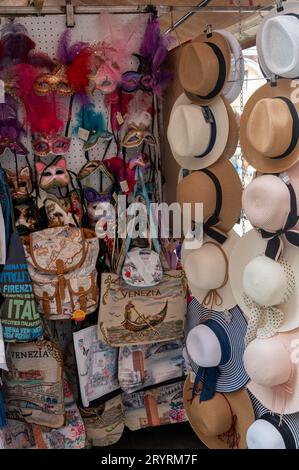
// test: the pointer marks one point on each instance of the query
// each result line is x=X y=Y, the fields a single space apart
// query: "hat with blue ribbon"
x=215 y=346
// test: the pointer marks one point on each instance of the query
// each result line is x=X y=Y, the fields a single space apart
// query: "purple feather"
x=76 y=48
x=63 y=47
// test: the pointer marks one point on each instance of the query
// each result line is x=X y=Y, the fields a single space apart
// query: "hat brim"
x=222 y=43
x=228 y=299
x=248 y=247
x=232 y=375
x=222 y=123
x=288 y=7
x=234 y=84
x=284 y=403
x=241 y=407
x=259 y=161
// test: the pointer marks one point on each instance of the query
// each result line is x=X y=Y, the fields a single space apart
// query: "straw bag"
x=155 y=407
x=146 y=365
x=104 y=423
x=62 y=266
x=33 y=386
x=145 y=315
x=96 y=365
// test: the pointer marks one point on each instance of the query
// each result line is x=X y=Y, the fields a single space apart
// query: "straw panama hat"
x=195 y=142
x=277 y=42
x=273 y=367
x=250 y=246
x=215 y=340
x=206 y=269
x=271 y=431
x=216 y=187
x=234 y=85
x=213 y=420
x=269 y=128
x=204 y=67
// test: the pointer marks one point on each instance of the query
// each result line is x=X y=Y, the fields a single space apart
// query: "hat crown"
x=264 y=435
x=265 y=281
x=213 y=417
x=188 y=132
x=266 y=202
x=203 y=346
x=269 y=127
x=279 y=40
x=267 y=362
x=206 y=267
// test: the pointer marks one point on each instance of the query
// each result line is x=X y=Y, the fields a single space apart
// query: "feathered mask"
x=152 y=54
x=138 y=120
x=93 y=122
x=10 y=128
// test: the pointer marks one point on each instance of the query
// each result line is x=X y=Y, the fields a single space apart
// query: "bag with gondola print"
x=130 y=315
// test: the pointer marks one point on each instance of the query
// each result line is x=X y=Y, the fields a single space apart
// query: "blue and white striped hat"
x=272 y=431
x=227 y=373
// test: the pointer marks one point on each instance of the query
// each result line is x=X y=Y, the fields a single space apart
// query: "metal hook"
x=279 y=5
x=209 y=31
x=273 y=80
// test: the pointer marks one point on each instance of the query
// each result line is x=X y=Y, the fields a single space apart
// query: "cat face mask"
x=20 y=185
x=54 y=175
x=94 y=199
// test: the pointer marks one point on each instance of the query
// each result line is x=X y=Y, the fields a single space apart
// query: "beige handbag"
x=146 y=315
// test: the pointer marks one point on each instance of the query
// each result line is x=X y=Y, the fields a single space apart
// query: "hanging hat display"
x=219 y=190
x=271 y=285
x=270 y=431
x=273 y=372
x=204 y=67
x=215 y=346
x=269 y=128
x=206 y=269
x=197 y=135
x=277 y=42
x=223 y=421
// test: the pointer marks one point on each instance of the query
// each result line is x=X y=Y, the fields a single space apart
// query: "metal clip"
x=207 y=114
x=273 y=80
x=70 y=13
x=279 y=5
x=285 y=178
x=209 y=31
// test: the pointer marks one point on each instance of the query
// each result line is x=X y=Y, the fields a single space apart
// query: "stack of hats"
x=203 y=136
x=264 y=264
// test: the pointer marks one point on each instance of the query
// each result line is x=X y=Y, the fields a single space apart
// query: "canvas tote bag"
x=129 y=315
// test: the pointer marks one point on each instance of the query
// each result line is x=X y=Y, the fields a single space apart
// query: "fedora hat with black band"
x=204 y=67
x=219 y=190
x=269 y=128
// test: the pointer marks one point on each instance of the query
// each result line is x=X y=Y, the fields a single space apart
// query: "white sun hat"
x=197 y=135
x=234 y=84
x=277 y=42
x=206 y=270
x=283 y=275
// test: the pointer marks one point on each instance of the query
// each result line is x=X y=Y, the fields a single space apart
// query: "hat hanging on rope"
x=223 y=421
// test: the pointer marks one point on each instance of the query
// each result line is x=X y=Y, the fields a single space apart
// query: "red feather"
x=78 y=72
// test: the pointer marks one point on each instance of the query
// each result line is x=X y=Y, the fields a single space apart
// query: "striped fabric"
x=232 y=375
x=287 y=425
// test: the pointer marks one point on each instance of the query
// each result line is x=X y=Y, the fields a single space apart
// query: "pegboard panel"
x=45 y=31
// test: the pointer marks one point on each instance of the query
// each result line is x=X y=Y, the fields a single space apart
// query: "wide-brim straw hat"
x=223 y=421
x=245 y=250
x=269 y=128
x=204 y=67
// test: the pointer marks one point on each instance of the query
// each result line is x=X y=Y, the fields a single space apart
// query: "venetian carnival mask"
x=44 y=145
x=54 y=175
x=20 y=185
x=55 y=81
x=64 y=211
x=94 y=199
